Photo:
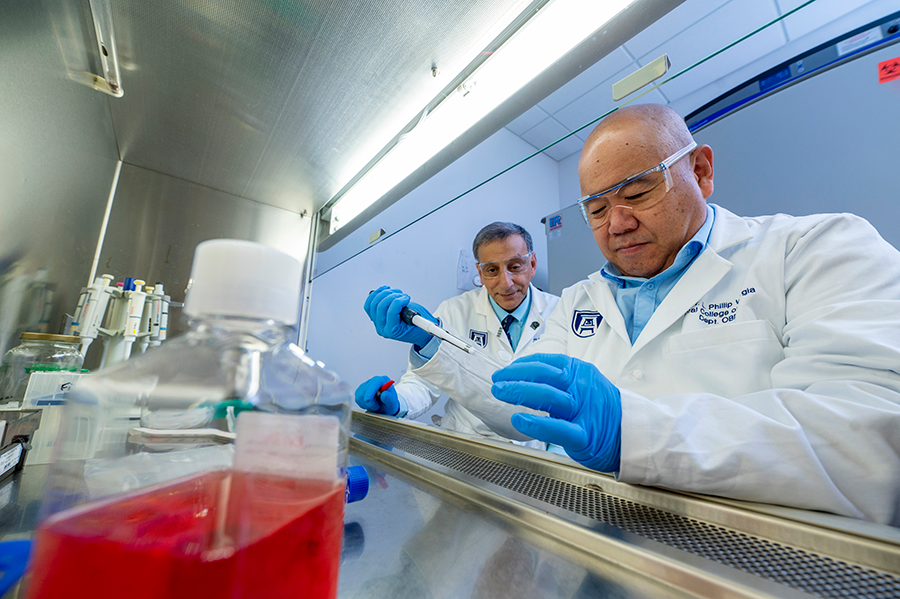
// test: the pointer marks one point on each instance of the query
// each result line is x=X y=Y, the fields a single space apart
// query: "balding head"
x=650 y=123
x=643 y=242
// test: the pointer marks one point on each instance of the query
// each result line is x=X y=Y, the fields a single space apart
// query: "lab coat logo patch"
x=585 y=322
x=478 y=337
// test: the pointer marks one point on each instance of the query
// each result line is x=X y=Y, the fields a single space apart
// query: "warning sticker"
x=858 y=41
x=889 y=70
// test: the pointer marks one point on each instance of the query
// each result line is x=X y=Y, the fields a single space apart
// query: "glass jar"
x=36 y=352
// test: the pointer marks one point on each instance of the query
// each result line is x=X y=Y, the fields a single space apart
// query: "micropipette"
x=412 y=317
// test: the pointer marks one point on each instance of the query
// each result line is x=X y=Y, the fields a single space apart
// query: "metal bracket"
x=110 y=82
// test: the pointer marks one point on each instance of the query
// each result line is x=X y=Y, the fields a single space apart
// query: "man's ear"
x=702 y=163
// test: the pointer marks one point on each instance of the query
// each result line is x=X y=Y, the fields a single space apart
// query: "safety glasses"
x=514 y=266
x=638 y=192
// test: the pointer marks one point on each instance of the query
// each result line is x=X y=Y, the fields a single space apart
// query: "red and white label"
x=888 y=70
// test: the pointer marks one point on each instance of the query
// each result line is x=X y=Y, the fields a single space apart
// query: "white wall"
x=569 y=189
x=421 y=259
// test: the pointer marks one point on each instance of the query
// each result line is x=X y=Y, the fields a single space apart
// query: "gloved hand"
x=384 y=305
x=13 y=560
x=585 y=408
x=387 y=403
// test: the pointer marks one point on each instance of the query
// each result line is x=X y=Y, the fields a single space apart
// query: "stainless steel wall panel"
x=57 y=157
x=158 y=220
x=271 y=100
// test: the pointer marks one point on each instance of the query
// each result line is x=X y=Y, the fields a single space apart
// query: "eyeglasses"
x=514 y=266
x=638 y=192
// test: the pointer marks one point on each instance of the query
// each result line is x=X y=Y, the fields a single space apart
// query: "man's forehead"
x=622 y=140
x=502 y=249
x=617 y=154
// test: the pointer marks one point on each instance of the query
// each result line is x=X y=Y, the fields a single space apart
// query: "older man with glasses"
x=502 y=318
x=750 y=358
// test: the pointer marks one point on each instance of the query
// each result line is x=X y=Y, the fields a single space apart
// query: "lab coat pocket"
x=727 y=360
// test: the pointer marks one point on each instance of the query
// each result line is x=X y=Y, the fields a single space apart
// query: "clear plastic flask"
x=211 y=467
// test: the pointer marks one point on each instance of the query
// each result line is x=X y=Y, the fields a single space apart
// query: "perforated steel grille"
x=803 y=570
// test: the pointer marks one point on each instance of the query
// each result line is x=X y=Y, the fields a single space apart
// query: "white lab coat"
x=771 y=371
x=471 y=317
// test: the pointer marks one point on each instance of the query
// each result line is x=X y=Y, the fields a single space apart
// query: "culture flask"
x=213 y=466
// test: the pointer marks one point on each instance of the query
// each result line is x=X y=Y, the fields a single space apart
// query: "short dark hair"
x=499 y=230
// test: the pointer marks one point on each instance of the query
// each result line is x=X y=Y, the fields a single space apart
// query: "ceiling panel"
x=679 y=19
x=527 y=120
x=548 y=132
x=735 y=19
x=284 y=101
x=586 y=81
x=598 y=101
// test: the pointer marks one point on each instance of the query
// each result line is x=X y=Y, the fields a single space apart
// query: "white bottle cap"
x=242 y=278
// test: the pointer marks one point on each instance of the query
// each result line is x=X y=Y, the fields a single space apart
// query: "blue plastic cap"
x=357 y=483
x=129 y=284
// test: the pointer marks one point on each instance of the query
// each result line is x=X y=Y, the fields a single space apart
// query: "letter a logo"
x=585 y=322
x=478 y=337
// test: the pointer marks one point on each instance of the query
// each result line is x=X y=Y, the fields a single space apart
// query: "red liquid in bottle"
x=219 y=535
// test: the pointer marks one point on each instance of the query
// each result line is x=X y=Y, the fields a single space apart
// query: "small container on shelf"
x=36 y=352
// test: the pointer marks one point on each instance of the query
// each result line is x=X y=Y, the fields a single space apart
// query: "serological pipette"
x=412 y=317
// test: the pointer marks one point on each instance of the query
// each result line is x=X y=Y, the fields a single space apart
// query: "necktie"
x=505 y=324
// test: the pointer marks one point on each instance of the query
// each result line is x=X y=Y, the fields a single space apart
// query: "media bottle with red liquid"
x=213 y=466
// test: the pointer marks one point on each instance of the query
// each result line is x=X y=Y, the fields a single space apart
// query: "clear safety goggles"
x=514 y=266
x=638 y=192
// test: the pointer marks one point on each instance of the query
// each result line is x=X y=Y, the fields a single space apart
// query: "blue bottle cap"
x=357 y=483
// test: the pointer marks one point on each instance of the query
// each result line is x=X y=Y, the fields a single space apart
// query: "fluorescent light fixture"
x=554 y=31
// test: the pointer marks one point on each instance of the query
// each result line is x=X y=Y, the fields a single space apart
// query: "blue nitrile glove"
x=13 y=560
x=585 y=408
x=388 y=402
x=384 y=305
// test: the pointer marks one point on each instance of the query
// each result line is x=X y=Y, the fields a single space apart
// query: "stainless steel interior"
x=646 y=524
x=278 y=102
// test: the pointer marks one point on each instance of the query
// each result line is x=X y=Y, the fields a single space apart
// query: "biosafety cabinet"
x=132 y=131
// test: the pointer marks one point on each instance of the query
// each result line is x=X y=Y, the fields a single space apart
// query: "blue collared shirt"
x=638 y=298
x=519 y=315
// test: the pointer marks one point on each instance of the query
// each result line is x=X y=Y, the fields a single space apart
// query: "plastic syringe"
x=412 y=317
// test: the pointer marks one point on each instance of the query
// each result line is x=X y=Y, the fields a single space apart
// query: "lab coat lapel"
x=538 y=304
x=603 y=299
x=728 y=230
x=484 y=308
x=706 y=271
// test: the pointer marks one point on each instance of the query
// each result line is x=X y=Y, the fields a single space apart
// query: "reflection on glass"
x=26 y=300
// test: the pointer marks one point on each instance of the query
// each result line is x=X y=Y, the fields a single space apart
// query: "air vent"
x=802 y=570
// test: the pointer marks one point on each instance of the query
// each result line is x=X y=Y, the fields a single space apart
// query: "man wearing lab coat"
x=501 y=318
x=752 y=358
